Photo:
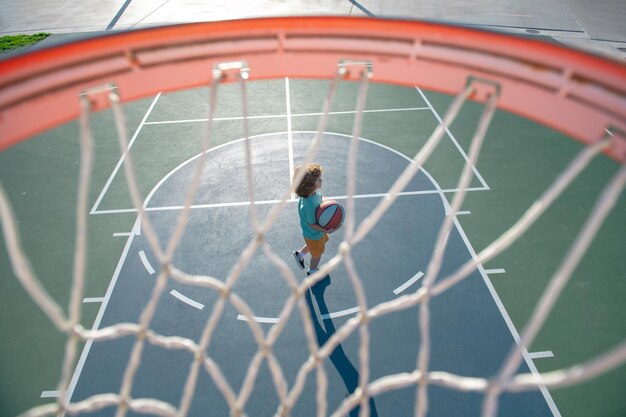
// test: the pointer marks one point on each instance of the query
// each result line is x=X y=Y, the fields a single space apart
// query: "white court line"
x=96 y=324
x=340 y=313
x=121 y=234
x=93 y=300
x=289 y=133
x=408 y=283
x=187 y=300
x=462 y=213
x=259 y=319
x=50 y=394
x=146 y=263
x=265 y=202
x=507 y=319
x=278 y=116
x=334 y=113
x=324 y=316
x=216 y=119
x=94 y=209
x=456 y=143
x=495 y=271
x=540 y=355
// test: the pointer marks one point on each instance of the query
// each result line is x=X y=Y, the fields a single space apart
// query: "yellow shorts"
x=316 y=247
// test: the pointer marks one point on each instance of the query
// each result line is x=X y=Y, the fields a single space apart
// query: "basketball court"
x=473 y=325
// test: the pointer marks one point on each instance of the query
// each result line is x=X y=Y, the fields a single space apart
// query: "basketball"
x=330 y=214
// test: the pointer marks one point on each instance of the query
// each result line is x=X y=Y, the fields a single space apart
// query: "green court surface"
x=519 y=160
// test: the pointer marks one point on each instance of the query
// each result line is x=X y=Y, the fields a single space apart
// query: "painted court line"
x=540 y=355
x=408 y=283
x=50 y=394
x=216 y=119
x=93 y=300
x=123 y=157
x=335 y=113
x=289 y=133
x=279 y=116
x=259 y=319
x=146 y=263
x=507 y=319
x=265 y=202
x=495 y=271
x=456 y=143
x=462 y=213
x=96 y=324
x=122 y=234
x=187 y=300
x=340 y=313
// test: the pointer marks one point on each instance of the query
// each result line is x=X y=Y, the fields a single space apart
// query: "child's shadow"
x=346 y=370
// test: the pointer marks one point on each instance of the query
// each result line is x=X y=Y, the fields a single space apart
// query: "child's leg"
x=314 y=263
x=304 y=250
x=316 y=248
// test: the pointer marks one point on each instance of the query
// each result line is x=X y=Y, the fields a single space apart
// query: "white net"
x=421 y=378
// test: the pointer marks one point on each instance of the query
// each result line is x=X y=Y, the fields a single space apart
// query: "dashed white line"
x=187 y=300
x=259 y=319
x=341 y=313
x=408 y=283
x=146 y=263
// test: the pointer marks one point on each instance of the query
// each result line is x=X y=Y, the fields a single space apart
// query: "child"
x=315 y=237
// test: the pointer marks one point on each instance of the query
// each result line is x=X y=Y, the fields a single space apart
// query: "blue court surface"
x=470 y=334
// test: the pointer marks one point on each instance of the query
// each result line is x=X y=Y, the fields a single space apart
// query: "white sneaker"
x=300 y=261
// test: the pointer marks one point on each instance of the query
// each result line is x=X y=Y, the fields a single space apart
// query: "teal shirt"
x=307 y=206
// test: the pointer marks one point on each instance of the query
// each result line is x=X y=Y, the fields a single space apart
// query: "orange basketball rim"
x=581 y=95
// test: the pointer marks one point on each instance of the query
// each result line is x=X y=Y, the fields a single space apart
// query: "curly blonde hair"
x=307 y=185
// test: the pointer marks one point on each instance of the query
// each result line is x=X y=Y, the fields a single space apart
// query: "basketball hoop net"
x=582 y=96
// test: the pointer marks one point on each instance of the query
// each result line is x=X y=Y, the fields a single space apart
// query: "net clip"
x=99 y=97
x=354 y=70
x=617 y=148
x=231 y=71
x=483 y=88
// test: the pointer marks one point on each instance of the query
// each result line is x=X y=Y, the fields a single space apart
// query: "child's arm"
x=321 y=229
x=317 y=227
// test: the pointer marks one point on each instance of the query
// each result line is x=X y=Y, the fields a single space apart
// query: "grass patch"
x=18 y=41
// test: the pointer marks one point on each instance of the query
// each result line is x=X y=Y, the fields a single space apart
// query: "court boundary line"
x=509 y=323
x=78 y=369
